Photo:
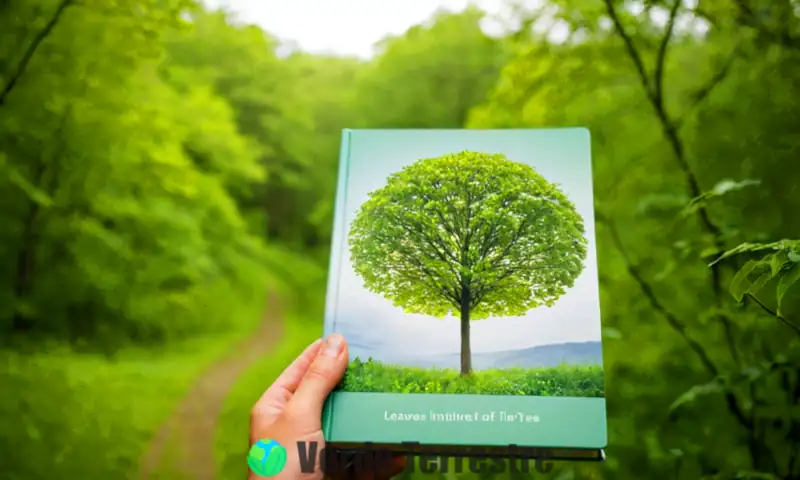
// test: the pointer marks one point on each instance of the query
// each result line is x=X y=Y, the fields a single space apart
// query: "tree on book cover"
x=469 y=233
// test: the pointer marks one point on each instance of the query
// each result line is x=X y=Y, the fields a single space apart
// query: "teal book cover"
x=464 y=277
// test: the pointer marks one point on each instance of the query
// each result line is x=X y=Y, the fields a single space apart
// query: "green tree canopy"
x=449 y=59
x=473 y=233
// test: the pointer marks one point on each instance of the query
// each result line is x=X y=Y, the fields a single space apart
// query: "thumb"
x=325 y=372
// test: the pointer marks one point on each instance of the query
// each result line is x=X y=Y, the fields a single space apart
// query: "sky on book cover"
x=374 y=327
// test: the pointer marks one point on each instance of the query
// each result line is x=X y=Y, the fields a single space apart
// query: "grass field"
x=562 y=381
x=65 y=414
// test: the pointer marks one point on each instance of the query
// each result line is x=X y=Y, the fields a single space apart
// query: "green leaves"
x=723 y=187
x=433 y=75
x=790 y=247
x=787 y=280
x=715 y=386
x=740 y=285
x=473 y=224
x=142 y=174
x=736 y=119
x=782 y=264
x=729 y=382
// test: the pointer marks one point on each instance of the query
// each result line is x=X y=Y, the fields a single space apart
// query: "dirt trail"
x=191 y=428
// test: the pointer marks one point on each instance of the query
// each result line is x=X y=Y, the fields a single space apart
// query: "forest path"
x=191 y=429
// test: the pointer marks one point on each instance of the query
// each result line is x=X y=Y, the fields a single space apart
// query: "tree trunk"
x=466 y=351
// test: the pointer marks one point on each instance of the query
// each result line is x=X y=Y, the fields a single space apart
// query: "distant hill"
x=583 y=353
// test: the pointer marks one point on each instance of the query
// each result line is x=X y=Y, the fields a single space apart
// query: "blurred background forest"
x=163 y=168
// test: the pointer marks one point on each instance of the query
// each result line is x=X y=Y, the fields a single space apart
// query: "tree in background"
x=240 y=65
x=120 y=216
x=472 y=233
x=449 y=58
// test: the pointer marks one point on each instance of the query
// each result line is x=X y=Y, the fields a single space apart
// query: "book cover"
x=464 y=278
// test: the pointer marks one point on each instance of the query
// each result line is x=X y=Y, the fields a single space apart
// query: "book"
x=463 y=275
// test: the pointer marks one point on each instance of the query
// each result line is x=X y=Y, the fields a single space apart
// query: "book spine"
x=337 y=253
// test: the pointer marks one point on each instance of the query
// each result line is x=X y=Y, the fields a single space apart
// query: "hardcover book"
x=464 y=278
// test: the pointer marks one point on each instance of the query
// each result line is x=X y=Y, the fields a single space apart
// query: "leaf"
x=785 y=282
x=786 y=245
x=727 y=185
x=722 y=383
x=777 y=261
x=718 y=385
x=721 y=188
x=611 y=333
x=740 y=285
x=663 y=202
x=32 y=191
x=761 y=280
x=710 y=252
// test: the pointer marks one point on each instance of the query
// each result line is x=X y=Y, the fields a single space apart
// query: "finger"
x=321 y=378
x=285 y=385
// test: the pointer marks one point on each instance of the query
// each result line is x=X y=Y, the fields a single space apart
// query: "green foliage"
x=113 y=233
x=562 y=381
x=723 y=187
x=276 y=116
x=432 y=75
x=94 y=416
x=729 y=382
x=149 y=148
x=681 y=126
x=781 y=263
x=468 y=227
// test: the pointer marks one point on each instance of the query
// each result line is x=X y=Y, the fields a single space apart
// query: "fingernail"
x=333 y=345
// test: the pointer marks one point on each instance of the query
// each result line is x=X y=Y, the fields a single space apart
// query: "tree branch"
x=436 y=282
x=514 y=240
x=703 y=92
x=481 y=289
x=443 y=254
x=450 y=229
x=661 y=56
x=655 y=92
x=773 y=313
x=650 y=295
x=638 y=63
x=677 y=325
x=654 y=89
x=31 y=50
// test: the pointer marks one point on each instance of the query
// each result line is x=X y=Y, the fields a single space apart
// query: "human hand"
x=290 y=410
